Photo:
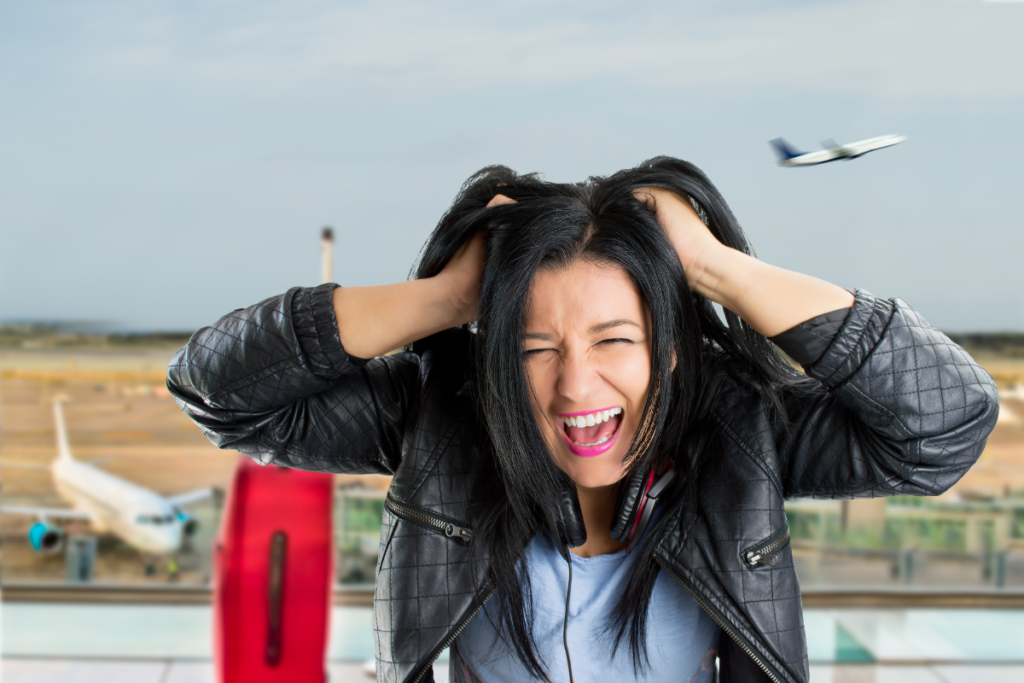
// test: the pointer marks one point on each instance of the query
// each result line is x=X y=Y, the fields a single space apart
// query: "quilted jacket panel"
x=898 y=409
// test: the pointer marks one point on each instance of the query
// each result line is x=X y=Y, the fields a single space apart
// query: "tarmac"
x=115 y=671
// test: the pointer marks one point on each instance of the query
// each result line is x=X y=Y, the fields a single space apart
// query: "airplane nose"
x=165 y=541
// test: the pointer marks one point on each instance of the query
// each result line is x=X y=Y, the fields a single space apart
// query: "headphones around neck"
x=636 y=506
x=638 y=502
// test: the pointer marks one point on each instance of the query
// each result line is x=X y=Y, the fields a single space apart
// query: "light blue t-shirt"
x=682 y=640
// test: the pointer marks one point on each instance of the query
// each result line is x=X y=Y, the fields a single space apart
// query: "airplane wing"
x=190 y=497
x=45 y=513
x=790 y=156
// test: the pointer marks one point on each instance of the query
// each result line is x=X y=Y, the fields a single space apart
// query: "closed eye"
x=616 y=341
x=531 y=352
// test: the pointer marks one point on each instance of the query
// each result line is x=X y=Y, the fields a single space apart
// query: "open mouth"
x=591 y=433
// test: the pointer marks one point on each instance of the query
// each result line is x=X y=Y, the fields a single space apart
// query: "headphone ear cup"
x=575 y=529
x=566 y=521
x=650 y=501
x=629 y=504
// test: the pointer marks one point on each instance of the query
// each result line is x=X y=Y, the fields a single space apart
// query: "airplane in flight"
x=153 y=524
x=790 y=156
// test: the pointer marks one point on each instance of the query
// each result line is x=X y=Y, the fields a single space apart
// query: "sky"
x=163 y=163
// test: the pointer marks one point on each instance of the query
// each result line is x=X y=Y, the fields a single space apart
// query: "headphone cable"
x=565 y=622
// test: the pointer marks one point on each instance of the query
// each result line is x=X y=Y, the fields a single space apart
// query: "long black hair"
x=551 y=226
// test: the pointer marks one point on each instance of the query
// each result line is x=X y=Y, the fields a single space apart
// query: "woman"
x=570 y=402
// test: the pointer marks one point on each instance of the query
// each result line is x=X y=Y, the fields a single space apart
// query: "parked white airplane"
x=1015 y=392
x=146 y=520
x=789 y=156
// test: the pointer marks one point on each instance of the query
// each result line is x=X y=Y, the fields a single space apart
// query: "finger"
x=646 y=195
x=500 y=199
x=474 y=243
x=471 y=242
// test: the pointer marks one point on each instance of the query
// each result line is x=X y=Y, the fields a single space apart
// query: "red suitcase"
x=273 y=574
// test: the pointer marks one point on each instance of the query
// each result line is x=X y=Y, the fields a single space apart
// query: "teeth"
x=596 y=443
x=592 y=419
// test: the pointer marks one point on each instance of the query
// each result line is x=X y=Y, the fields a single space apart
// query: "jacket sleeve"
x=897 y=408
x=272 y=381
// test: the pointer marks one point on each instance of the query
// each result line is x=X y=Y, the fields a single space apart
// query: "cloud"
x=867 y=48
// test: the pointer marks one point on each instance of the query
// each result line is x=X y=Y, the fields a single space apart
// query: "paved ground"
x=111 y=671
x=960 y=673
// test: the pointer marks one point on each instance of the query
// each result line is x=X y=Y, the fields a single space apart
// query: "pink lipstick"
x=591 y=437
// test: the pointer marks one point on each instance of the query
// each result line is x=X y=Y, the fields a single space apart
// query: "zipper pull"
x=756 y=559
x=767 y=553
x=462 y=533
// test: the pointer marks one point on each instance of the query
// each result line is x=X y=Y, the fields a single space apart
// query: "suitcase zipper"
x=451 y=639
x=767 y=553
x=448 y=527
x=719 y=619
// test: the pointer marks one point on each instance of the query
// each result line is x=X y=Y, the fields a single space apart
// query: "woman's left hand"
x=769 y=299
x=694 y=243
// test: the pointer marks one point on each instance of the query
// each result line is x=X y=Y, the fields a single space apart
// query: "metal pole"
x=327 y=265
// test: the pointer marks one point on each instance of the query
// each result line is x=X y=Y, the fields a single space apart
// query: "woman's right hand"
x=462 y=276
x=463 y=273
x=375 y=320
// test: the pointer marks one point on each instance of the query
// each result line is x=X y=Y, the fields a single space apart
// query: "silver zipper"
x=719 y=619
x=451 y=639
x=452 y=530
x=446 y=526
x=766 y=554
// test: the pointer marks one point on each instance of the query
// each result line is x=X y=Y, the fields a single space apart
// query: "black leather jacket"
x=900 y=409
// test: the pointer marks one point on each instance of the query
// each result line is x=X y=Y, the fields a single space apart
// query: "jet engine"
x=189 y=524
x=45 y=538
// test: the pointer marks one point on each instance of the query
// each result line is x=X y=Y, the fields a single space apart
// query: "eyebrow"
x=600 y=327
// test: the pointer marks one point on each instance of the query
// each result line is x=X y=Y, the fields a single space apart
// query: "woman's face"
x=588 y=356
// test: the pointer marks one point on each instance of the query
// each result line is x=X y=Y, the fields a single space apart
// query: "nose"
x=578 y=380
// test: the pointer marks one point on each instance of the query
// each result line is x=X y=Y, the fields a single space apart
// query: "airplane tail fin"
x=784 y=150
x=63 y=449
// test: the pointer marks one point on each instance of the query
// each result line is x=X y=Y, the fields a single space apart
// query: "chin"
x=589 y=473
x=588 y=478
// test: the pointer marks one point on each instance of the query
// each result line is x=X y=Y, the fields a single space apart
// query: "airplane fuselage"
x=139 y=516
x=850 y=151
